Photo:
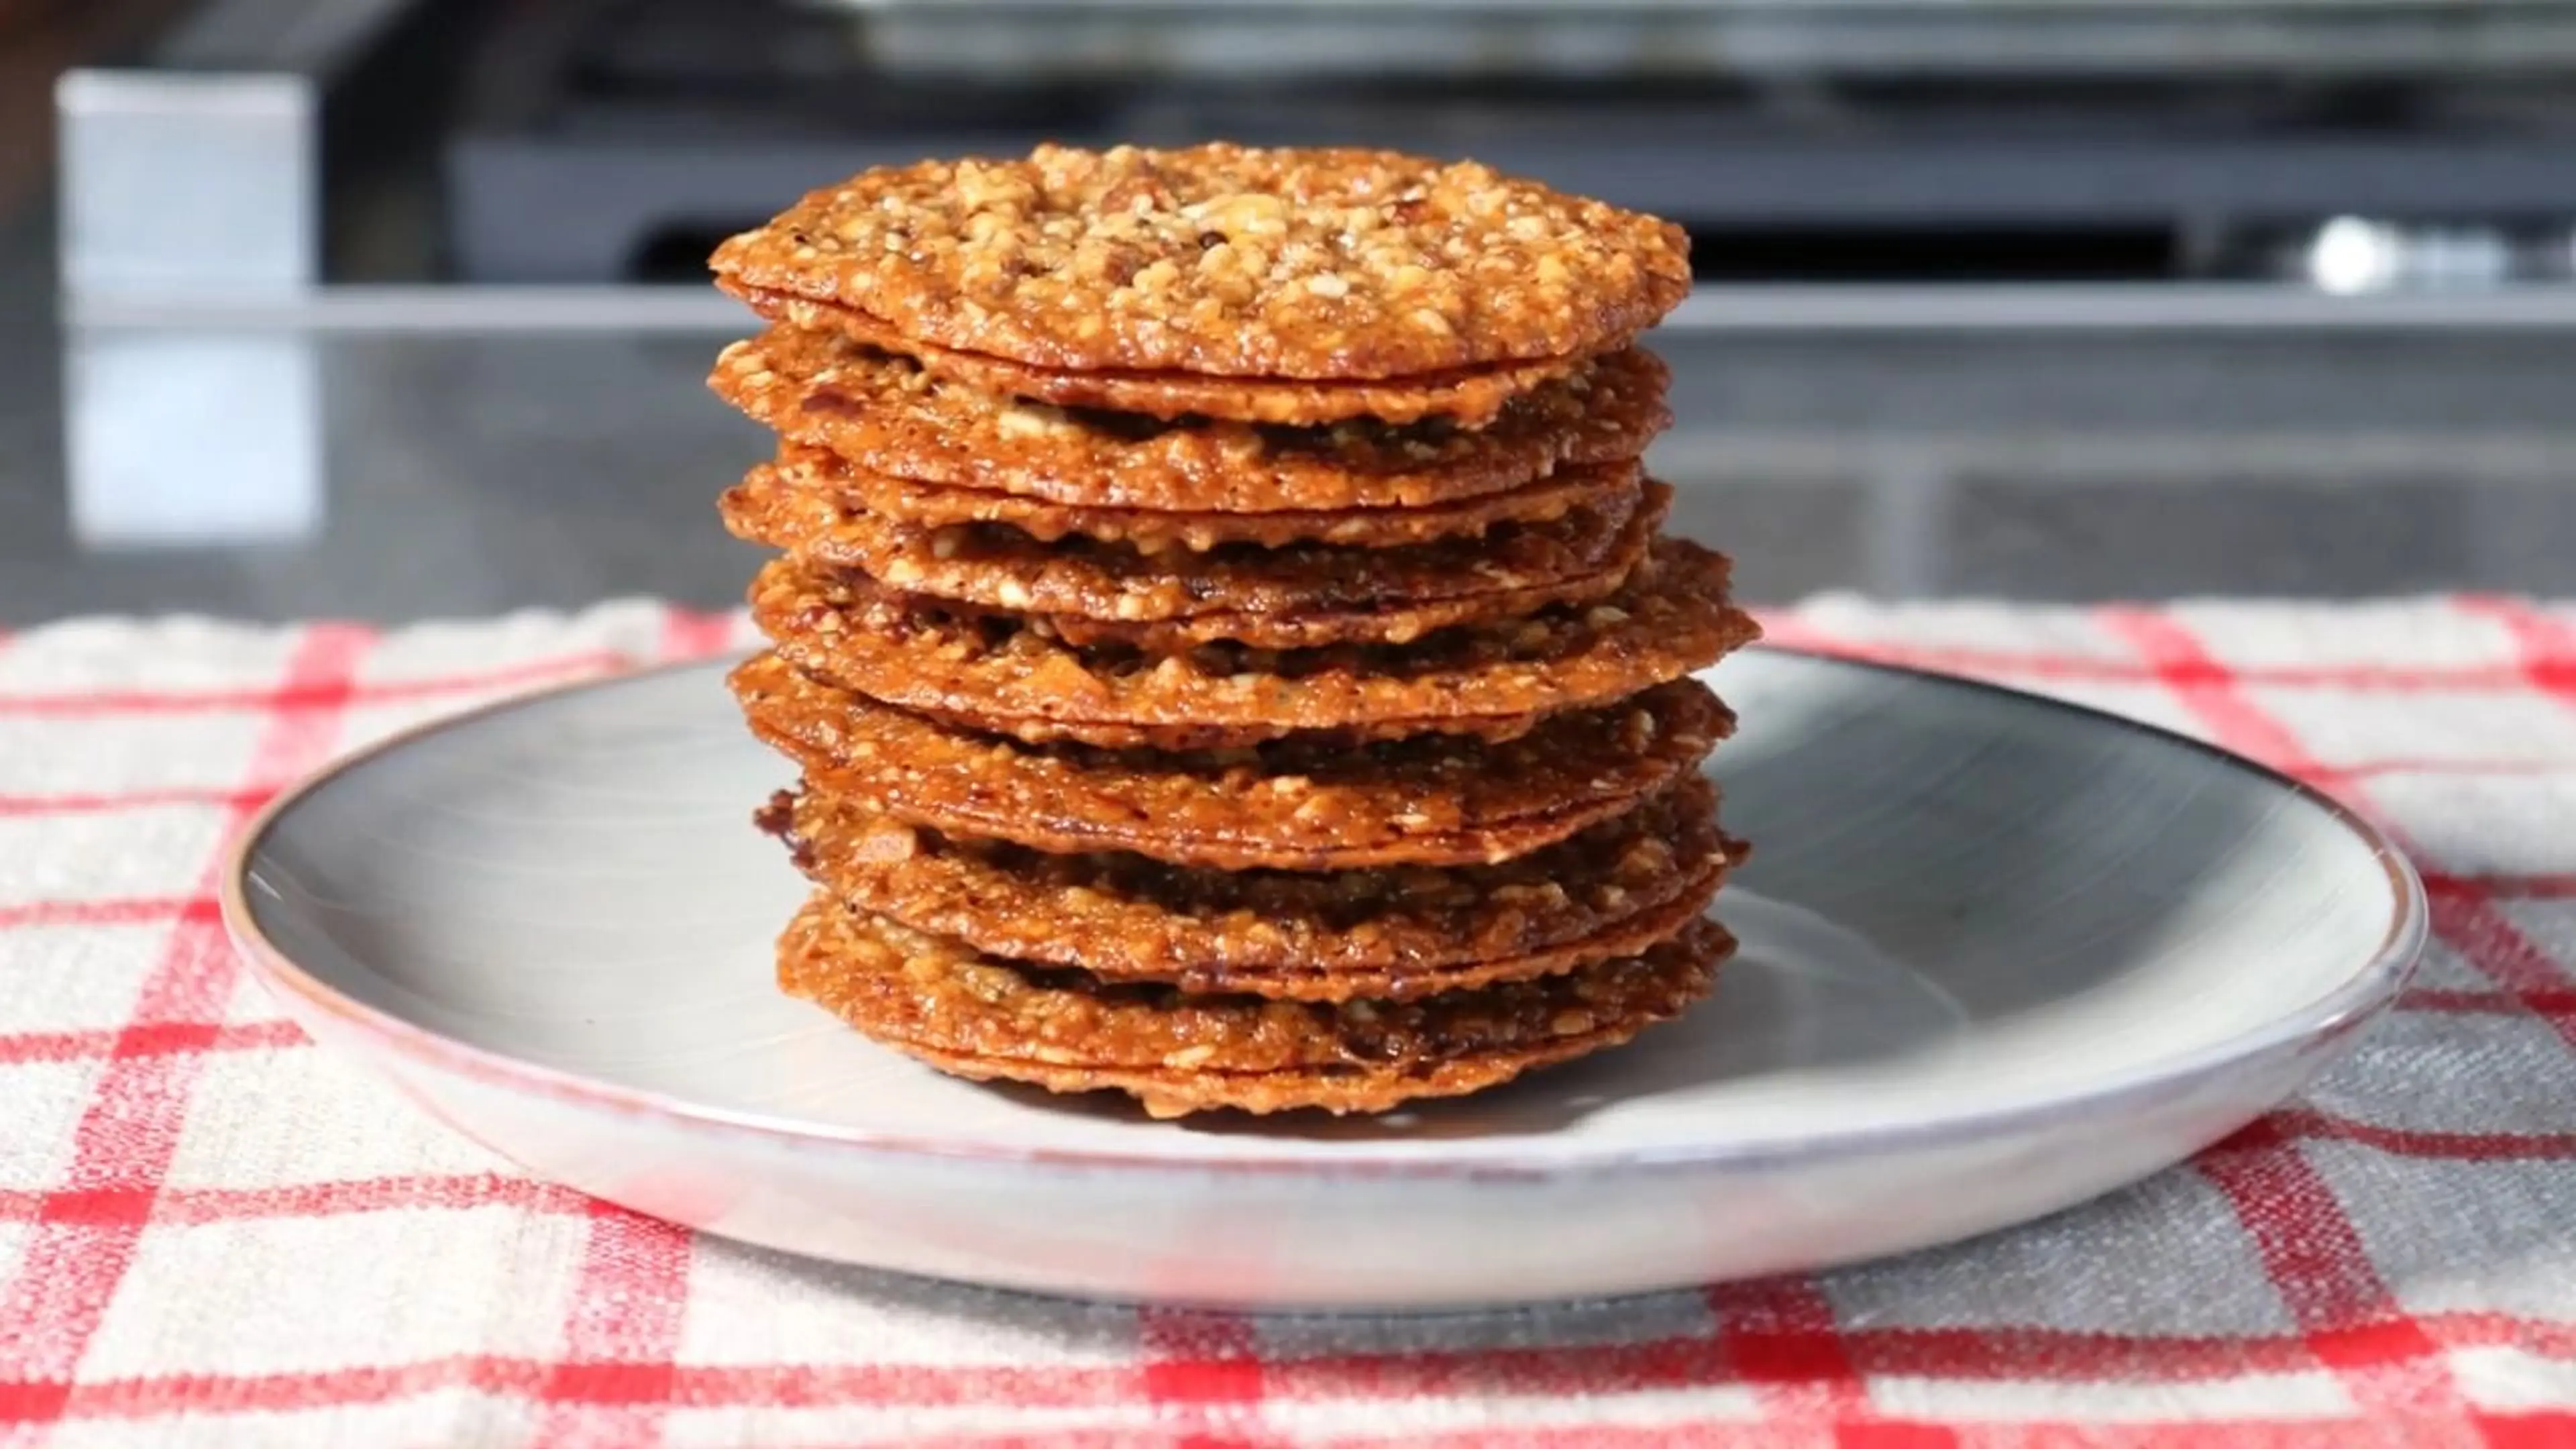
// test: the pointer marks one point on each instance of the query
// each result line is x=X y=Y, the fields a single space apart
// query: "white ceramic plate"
x=2000 y=955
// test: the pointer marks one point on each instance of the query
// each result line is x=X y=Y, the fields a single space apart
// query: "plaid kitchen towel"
x=211 y=1232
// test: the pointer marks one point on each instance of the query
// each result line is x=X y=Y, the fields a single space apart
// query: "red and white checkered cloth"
x=210 y=1232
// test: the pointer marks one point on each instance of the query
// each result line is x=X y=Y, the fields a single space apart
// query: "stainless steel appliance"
x=2355 y=145
x=2059 y=297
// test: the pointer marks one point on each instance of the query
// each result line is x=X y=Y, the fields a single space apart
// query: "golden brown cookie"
x=1294 y=804
x=991 y=672
x=1470 y=397
x=1223 y=260
x=1394 y=933
x=1296 y=597
x=930 y=505
x=887 y=415
x=987 y=1017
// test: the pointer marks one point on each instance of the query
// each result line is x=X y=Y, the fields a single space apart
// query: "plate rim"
x=2368 y=990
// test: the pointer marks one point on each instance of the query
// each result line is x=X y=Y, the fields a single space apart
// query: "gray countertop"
x=394 y=475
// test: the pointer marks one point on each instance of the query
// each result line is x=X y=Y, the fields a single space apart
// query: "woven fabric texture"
x=213 y=1233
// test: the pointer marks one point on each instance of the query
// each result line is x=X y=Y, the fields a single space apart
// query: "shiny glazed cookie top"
x=1223 y=260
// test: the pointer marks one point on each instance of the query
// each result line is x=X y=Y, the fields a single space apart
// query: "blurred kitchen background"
x=392 y=308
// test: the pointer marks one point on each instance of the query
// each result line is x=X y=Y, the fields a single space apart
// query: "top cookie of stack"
x=1150 y=516
x=1271 y=286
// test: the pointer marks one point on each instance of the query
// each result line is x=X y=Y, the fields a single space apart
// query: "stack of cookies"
x=1222 y=622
